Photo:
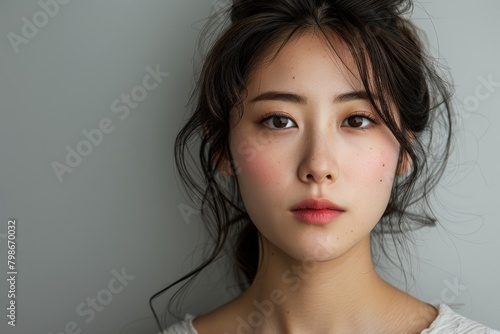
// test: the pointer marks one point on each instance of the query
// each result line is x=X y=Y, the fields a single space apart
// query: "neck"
x=335 y=295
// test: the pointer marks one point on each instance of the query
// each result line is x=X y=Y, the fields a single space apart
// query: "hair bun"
x=366 y=10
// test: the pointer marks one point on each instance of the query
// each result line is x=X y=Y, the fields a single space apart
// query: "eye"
x=358 y=121
x=277 y=121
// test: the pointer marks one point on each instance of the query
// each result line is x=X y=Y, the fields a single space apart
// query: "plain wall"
x=119 y=209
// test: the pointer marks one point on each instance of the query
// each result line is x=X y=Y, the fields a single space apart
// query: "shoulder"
x=448 y=321
x=183 y=327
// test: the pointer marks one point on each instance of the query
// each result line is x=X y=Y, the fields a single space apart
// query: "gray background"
x=119 y=208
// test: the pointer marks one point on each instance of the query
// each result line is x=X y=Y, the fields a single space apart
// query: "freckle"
x=371 y=148
x=380 y=180
x=352 y=231
x=383 y=165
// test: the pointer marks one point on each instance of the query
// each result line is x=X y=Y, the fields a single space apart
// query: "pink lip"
x=316 y=211
x=312 y=203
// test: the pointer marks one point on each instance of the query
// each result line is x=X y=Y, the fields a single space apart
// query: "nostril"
x=311 y=177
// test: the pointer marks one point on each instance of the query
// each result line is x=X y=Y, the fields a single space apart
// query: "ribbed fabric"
x=183 y=327
x=447 y=322
x=450 y=322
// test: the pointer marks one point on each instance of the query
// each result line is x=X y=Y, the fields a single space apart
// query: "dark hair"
x=391 y=58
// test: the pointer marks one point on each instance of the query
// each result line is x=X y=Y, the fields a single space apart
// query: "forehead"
x=308 y=57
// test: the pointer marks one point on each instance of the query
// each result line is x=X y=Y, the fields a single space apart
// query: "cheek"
x=381 y=168
x=374 y=167
x=260 y=171
x=258 y=167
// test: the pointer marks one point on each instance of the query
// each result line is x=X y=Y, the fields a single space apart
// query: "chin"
x=318 y=249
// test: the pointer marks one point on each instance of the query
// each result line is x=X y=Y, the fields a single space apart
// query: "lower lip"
x=317 y=217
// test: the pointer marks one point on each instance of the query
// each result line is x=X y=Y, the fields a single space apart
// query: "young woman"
x=323 y=126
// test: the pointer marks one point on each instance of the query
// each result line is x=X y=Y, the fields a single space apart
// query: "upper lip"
x=317 y=204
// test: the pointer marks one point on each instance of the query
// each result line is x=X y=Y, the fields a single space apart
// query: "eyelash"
x=272 y=114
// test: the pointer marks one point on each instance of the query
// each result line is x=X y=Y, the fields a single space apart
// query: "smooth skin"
x=324 y=141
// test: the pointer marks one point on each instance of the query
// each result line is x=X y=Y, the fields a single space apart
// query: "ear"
x=405 y=164
x=225 y=168
x=405 y=161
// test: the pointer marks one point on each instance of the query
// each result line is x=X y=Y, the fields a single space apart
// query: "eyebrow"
x=299 y=99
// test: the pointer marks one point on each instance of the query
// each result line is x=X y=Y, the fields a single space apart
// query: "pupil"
x=355 y=121
x=279 y=122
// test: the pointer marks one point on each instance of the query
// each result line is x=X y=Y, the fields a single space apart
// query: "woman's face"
x=325 y=141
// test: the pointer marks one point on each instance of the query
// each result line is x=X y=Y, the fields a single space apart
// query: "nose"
x=318 y=162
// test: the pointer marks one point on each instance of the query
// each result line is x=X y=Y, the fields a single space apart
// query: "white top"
x=447 y=322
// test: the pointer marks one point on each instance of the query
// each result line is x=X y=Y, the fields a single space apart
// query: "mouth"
x=317 y=211
x=316 y=204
